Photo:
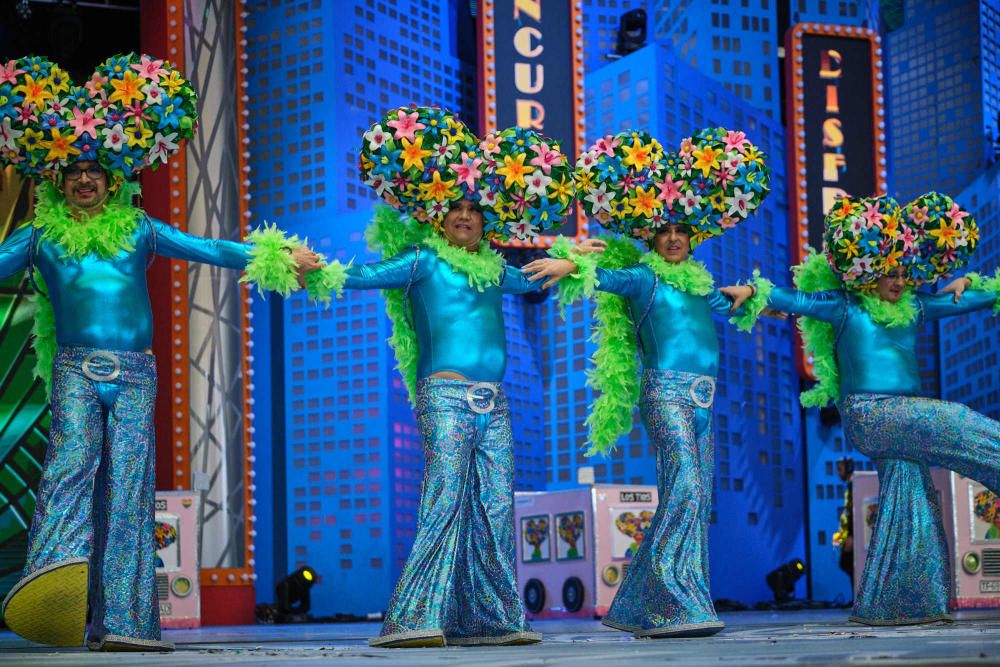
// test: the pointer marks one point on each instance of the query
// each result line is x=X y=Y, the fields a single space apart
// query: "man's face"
x=673 y=243
x=85 y=185
x=891 y=285
x=463 y=224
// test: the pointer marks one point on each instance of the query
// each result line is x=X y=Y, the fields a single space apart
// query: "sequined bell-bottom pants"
x=907 y=575
x=459 y=578
x=96 y=496
x=666 y=587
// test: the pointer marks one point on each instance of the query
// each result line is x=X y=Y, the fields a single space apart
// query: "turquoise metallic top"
x=678 y=333
x=459 y=328
x=104 y=303
x=873 y=358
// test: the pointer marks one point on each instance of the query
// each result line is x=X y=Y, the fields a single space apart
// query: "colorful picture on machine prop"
x=535 y=543
x=168 y=548
x=630 y=529
x=871 y=512
x=571 y=536
x=985 y=514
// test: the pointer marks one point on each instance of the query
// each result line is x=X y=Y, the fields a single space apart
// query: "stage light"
x=782 y=580
x=631 y=32
x=293 y=595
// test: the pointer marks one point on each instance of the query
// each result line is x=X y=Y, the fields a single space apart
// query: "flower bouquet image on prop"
x=864 y=239
x=130 y=115
x=944 y=234
x=535 y=534
x=420 y=161
x=570 y=527
x=634 y=527
x=527 y=184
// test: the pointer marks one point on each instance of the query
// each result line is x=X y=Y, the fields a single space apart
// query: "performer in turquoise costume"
x=860 y=316
x=445 y=287
x=664 y=301
x=87 y=251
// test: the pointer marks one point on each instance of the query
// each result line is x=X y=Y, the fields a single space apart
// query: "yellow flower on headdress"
x=414 y=153
x=842 y=210
x=58 y=80
x=890 y=224
x=584 y=181
x=437 y=190
x=60 y=147
x=892 y=258
x=138 y=135
x=849 y=248
x=945 y=234
x=706 y=159
x=173 y=82
x=700 y=236
x=753 y=154
x=366 y=163
x=514 y=170
x=718 y=200
x=35 y=92
x=127 y=88
x=644 y=203
x=563 y=188
x=637 y=155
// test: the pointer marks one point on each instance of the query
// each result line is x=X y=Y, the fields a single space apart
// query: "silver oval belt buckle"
x=704 y=379
x=89 y=363
x=471 y=398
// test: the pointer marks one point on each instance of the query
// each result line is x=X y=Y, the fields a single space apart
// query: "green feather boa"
x=750 y=311
x=391 y=235
x=989 y=283
x=689 y=276
x=815 y=275
x=105 y=234
x=583 y=282
x=43 y=333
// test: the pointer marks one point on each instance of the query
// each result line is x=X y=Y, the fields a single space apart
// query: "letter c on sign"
x=522 y=42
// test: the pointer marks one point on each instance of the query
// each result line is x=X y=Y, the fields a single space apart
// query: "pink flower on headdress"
x=148 y=68
x=136 y=110
x=26 y=114
x=406 y=124
x=9 y=72
x=872 y=215
x=467 y=170
x=737 y=140
x=724 y=177
x=545 y=157
x=520 y=201
x=84 y=122
x=96 y=84
x=626 y=183
x=686 y=147
x=918 y=214
x=669 y=191
x=727 y=222
x=957 y=215
x=607 y=145
x=401 y=182
x=906 y=235
x=947 y=255
x=163 y=147
x=490 y=145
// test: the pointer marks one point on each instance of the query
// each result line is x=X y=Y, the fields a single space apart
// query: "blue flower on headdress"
x=547 y=212
x=87 y=147
x=37 y=65
x=701 y=185
x=610 y=169
x=9 y=101
x=125 y=161
x=522 y=134
x=170 y=112
x=115 y=67
x=79 y=96
x=387 y=165
x=749 y=176
x=51 y=121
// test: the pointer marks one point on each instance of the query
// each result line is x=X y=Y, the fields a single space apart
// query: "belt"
x=698 y=389
x=95 y=366
x=475 y=400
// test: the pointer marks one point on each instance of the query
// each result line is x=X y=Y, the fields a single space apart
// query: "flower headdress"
x=131 y=115
x=944 y=234
x=865 y=238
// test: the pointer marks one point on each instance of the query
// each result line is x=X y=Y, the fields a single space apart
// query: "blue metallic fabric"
x=104 y=303
x=666 y=588
x=872 y=358
x=678 y=333
x=907 y=575
x=459 y=329
x=96 y=496
x=459 y=579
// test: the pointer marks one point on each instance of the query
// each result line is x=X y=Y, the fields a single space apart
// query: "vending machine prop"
x=177 y=566
x=971 y=517
x=575 y=546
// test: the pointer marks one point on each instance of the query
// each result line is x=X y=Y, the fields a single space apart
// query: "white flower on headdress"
x=538 y=183
x=115 y=138
x=524 y=230
x=444 y=151
x=487 y=197
x=380 y=183
x=438 y=209
x=861 y=265
x=375 y=137
x=740 y=203
x=163 y=147
x=9 y=135
x=599 y=198
x=731 y=163
x=154 y=94
x=691 y=201
x=587 y=161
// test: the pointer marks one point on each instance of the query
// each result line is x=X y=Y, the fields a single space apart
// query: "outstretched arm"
x=394 y=273
x=14 y=252
x=823 y=306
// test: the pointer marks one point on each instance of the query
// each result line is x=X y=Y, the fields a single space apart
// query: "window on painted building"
x=736 y=44
x=725 y=20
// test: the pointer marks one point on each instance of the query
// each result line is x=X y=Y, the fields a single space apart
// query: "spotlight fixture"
x=782 y=579
x=631 y=32
x=293 y=595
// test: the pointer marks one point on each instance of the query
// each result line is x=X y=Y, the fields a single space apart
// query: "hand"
x=739 y=294
x=587 y=246
x=306 y=261
x=957 y=287
x=773 y=312
x=554 y=269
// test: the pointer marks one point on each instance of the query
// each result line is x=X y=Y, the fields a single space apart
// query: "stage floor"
x=750 y=638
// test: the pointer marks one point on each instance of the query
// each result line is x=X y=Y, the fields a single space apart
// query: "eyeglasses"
x=74 y=173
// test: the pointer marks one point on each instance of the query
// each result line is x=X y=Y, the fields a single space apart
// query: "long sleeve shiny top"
x=104 y=303
x=459 y=328
x=678 y=333
x=873 y=358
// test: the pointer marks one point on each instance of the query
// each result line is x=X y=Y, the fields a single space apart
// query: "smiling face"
x=673 y=243
x=891 y=285
x=463 y=224
x=85 y=186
